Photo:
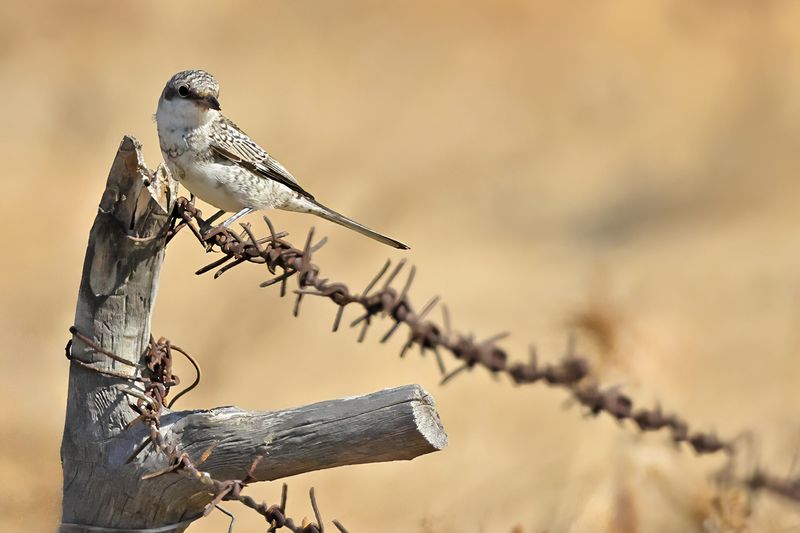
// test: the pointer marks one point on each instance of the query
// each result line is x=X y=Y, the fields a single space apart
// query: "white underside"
x=221 y=186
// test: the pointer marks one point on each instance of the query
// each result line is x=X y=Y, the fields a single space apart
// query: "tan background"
x=633 y=163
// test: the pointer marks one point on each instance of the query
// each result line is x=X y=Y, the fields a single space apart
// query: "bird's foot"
x=207 y=225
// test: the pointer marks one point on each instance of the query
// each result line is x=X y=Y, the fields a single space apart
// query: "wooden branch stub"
x=388 y=425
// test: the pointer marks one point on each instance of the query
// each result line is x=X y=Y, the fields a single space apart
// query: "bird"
x=220 y=164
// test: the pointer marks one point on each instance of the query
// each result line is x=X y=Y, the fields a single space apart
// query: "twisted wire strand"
x=572 y=373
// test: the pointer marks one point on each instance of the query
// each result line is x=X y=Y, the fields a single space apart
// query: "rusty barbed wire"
x=786 y=487
x=284 y=261
x=571 y=373
x=157 y=378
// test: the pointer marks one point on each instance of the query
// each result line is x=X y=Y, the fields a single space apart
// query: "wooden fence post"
x=104 y=489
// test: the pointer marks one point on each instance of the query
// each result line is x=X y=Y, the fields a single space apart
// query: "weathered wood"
x=105 y=492
x=118 y=286
x=388 y=425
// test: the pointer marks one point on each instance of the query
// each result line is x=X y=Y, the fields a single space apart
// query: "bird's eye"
x=183 y=90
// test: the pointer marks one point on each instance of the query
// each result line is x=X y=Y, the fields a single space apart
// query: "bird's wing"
x=233 y=144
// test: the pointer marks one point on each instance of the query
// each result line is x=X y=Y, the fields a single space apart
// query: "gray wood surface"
x=102 y=491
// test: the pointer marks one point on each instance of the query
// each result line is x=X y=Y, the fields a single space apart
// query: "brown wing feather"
x=234 y=145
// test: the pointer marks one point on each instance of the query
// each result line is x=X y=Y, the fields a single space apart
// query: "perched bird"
x=220 y=164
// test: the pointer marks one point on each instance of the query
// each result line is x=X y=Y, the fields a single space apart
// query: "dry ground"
x=631 y=163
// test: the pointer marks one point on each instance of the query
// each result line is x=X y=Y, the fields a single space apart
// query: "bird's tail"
x=316 y=208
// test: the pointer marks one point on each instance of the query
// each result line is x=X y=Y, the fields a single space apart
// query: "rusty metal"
x=284 y=261
x=572 y=373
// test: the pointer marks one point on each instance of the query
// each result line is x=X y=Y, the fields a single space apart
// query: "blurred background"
x=623 y=170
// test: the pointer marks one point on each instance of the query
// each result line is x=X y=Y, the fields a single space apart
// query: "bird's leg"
x=237 y=216
x=214 y=217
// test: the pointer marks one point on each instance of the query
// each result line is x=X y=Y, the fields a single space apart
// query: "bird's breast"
x=226 y=186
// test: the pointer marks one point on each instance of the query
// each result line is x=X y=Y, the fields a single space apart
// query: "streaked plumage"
x=220 y=164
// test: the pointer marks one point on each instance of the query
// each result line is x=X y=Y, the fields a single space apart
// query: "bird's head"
x=189 y=97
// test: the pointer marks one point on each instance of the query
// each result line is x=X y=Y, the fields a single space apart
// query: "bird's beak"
x=211 y=102
x=207 y=100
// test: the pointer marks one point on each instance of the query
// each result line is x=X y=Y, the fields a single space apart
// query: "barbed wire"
x=380 y=298
x=157 y=379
